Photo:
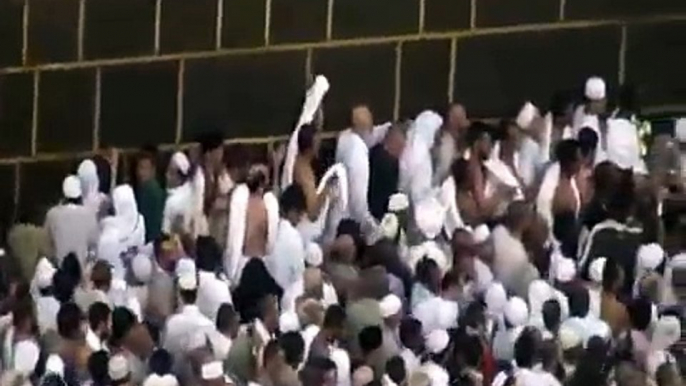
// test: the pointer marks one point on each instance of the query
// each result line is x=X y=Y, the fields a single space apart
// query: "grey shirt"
x=72 y=228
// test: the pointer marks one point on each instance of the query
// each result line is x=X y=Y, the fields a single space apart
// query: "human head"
x=596 y=95
x=188 y=288
x=568 y=154
x=118 y=370
x=273 y=358
x=293 y=204
x=362 y=119
x=562 y=108
x=519 y=216
x=480 y=140
x=579 y=301
x=146 y=167
x=526 y=349
x=319 y=371
x=464 y=250
x=269 y=312
x=69 y=322
x=588 y=141
x=258 y=178
x=410 y=332
x=461 y=175
x=456 y=120
x=451 y=286
x=71 y=189
x=293 y=347
x=72 y=268
x=308 y=141
x=99 y=319
x=227 y=321
x=510 y=134
x=394 y=141
x=395 y=368
x=97 y=367
x=178 y=171
x=101 y=276
x=640 y=314
x=334 y=323
x=208 y=254
x=613 y=276
x=161 y=362
x=552 y=315
x=428 y=274
x=370 y=339
x=23 y=316
x=212 y=147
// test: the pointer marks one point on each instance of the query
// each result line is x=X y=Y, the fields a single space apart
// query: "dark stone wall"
x=78 y=74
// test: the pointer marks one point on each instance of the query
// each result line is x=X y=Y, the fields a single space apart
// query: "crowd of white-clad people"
x=431 y=252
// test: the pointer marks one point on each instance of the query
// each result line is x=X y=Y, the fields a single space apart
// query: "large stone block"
x=447 y=15
x=424 y=76
x=243 y=23
x=606 y=9
x=298 y=20
x=359 y=18
x=188 y=25
x=16 y=112
x=53 y=31
x=11 y=35
x=119 y=28
x=496 y=13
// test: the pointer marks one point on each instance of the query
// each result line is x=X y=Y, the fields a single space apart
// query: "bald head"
x=456 y=120
x=362 y=119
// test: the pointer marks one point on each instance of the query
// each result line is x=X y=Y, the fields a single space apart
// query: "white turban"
x=141 y=267
x=430 y=216
x=526 y=115
x=496 y=298
x=118 y=368
x=188 y=282
x=212 y=370
x=164 y=380
x=565 y=271
x=26 y=355
x=569 y=338
x=437 y=341
x=650 y=256
x=481 y=233
x=185 y=266
x=595 y=89
x=71 y=187
x=314 y=256
x=390 y=305
x=595 y=270
x=288 y=321
x=181 y=162
x=398 y=202
x=516 y=311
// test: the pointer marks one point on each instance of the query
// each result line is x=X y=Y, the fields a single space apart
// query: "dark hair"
x=306 y=138
x=123 y=321
x=611 y=274
x=567 y=152
x=370 y=339
x=424 y=271
x=98 y=366
x=640 y=313
x=460 y=171
x=552 y=314
x=560 y=102
x=474 y=315
x=210 y=141
x=161 y=362
x=225 y=316
x=271 y=351
x=293 y=199
x=188 y=296
x=22 y=311
x=525 y=350
x=62 y=287
x=395 y=368
x=410 y=328
x=71 y=266
x=473 y=350
x=101 y=274
x=517 y=212
x=352 y=228
x=104 y=170
x=293 y=347
x=255 y=180
x=588 y=140
x=69 y=319
x=334 y=317
x=98 y=312
x=315 y=369
x=208 y=254
x=450 y=279
x=478 y=130
x=579 y=301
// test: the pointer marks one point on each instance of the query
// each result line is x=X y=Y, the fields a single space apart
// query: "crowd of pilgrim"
x=432 y=252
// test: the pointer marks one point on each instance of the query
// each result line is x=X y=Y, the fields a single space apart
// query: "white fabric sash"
x=333 y=209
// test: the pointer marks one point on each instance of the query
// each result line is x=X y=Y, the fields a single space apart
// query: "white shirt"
x=212 y=292
x=286 y=263
x=72 y=228
x=181 y=326
x=46 y=313
x=411 y=360
x=179 y=204
x=221 y=345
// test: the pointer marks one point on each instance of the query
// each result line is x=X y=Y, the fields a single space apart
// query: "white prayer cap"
x=595 y=89
x=650 y=256
x=495 y=298
x=569 y=338
x=539 y=293
x=314 y=257
x=516 y=311
x=181 y=162
x=212 y=370
x=44 y=273
x=526 y=115
x=185 y=266
x=164 y=380
x=390 y=306
x=71 y=187
x=54 y=365
x=118 y=368
x=667 y=332
x=430 y=215
x=437 y=341
x=481 y=233
x=398 y=202
x=426 y=125
x=595 y=270
x=141 y=267
x=390 y=225
x=188 y=282
x=26 y=355
x=435 y=253
x=289 y=321
x=565 y=270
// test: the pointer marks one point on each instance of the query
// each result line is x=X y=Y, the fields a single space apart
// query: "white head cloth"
x=289 y=321
x=569 y=338
x=185 y=266
x=26 y=355
x=596 y=269
x=496 y=299
x=437 y=341
x=44 y=273
x=595 y=89
x=181 y=162
x=526 y=115
x=212 y=370
x=398 y=202
x=118 y=368
x=90 y=182
x=188 y=282
x=71 y=187
x=141 y=267
x=565 y=270
x=516 y=311
x=390 y=225
x=125 y=209
x=650 y=256
x=430 y=215
x=164 y=380
x=314 y=257
x=390 y=305
x=416 y=162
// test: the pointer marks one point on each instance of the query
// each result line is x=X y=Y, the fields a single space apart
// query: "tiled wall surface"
x=78 y=74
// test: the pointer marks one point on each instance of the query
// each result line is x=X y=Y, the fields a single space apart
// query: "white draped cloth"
x=90 y=185
x=416 y=166
x=623 y=145
x=286 y=263
x=333 y=210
